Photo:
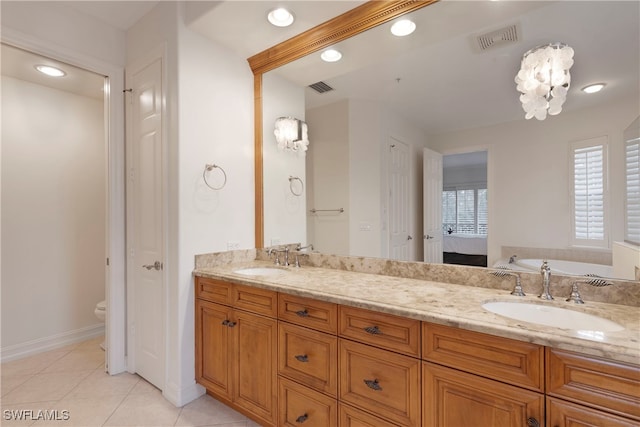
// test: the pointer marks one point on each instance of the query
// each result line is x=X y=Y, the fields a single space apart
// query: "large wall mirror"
x=363 y=187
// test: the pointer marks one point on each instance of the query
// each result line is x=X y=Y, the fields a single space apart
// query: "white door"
x=145 y=237
x=432 y=200
x=399 y=201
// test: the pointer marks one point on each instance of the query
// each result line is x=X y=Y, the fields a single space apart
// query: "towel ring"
x=209 y=168
x=295 y=178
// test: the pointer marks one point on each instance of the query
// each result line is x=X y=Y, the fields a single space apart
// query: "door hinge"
x=107 y=262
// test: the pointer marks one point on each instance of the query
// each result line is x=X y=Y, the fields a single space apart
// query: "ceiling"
x=439 y=79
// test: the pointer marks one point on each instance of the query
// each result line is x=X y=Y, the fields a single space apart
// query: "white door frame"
x=159 y=52
x=115 y=228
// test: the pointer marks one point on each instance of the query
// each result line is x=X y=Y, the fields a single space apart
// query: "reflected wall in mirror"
x=438 y=89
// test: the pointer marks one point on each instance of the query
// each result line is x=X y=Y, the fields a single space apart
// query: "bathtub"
x=571 y=268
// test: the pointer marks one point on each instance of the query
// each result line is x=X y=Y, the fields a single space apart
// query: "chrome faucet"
x=301 y=248
x=504 y=272
x=545 y=270
x=593 y=281
x=512 y=259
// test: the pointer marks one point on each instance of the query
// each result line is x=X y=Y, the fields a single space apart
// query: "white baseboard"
x=18 y=351
x=180 y=397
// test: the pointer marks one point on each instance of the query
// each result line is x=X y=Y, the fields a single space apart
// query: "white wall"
x=528 y=166
x=348 y=166
x=285 y=214
x=209 y=119
x=53 y=213
x=328 y=177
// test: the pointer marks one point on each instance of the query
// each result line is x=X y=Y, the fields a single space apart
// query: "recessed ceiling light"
x=596 y=87
x=280 y=17
x=403 y=27
x=50 y=71
x=331 y=55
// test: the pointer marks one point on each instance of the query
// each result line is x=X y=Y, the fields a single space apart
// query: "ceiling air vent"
x=321 y=87
x=498 y=37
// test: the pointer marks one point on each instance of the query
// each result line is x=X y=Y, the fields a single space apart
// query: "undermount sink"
x=552 y=316
x=260 y=271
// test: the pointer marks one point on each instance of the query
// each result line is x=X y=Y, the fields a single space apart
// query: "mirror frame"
x=349 y=24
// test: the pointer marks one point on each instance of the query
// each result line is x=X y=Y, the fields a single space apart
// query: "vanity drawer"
x=379 y=329
x=600 y=383
x=299 y=405
x=214 y=290
x=511 y=361
x=255 y=300
x=384 y=383
x=352 y=417
x=319 y=315
x=309 y=357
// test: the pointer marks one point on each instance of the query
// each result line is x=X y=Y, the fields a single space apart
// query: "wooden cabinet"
x=601 y=384
x=309 y=357
x=511 y=361
x=285 y=360
x=384 y=383
x=382 y=330
x=453 y=398
x=236 y=350
x=566 y=414
x=300 y=405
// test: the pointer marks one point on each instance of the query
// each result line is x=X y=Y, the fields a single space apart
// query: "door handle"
x=427 y=237
x=156 y=265
x=409 y=238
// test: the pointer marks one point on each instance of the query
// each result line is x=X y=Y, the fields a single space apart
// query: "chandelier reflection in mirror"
x=291 y=134
x=544 y=79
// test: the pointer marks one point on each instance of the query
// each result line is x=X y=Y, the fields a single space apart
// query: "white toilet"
x=100 y=313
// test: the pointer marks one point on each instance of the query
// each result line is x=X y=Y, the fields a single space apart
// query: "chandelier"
x=291 y=134
x=544 y=79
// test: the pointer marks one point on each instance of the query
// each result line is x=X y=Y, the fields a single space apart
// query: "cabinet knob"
x=225 y=322
x=373 y=384
x=302 y=358
x=302 y=418
x=302 y=313
x=373 y=330
x=532 y=422
x=231 y=324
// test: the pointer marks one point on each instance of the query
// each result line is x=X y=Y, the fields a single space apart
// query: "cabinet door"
x=212 y=348
x=453 y=398
x=352 y=417
x=565 y=414
x=255 y=355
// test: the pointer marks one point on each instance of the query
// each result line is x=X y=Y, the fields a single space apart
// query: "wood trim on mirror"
x=349 y=24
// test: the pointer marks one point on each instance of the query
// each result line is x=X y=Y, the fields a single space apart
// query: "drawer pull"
x=302 y=313
x=532 y=422
x=225 y=322
x=302 y=358
x=373 y=330
x=302 y=418
x=373 y=384
x=231 y=324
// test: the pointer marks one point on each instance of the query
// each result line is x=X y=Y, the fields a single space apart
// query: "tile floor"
x=70 y=384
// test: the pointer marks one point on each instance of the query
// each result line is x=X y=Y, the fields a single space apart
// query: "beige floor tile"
x=144 y=387
x=102 y=384
x=92 y=344
x=32 y=364
x=22 y=414
x=206 y=411
x=9 y=383
x=148 y=409
x=45 y=387
x=89 y=412
x=77 y=360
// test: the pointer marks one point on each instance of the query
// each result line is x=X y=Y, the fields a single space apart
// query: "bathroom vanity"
x=329 y=347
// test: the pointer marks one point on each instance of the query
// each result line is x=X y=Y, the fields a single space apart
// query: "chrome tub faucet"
x=545 y=270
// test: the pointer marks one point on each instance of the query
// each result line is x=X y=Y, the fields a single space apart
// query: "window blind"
x=632 y=156
x=465 y=211
x=589 y=216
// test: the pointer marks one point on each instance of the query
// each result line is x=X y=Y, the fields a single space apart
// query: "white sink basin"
x=260 y=271
x=552 y=316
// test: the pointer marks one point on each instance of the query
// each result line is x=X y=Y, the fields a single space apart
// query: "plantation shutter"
x=589 y=204
x=632 y=156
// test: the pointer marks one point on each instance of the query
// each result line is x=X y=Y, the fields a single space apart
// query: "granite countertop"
x=447 y=304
